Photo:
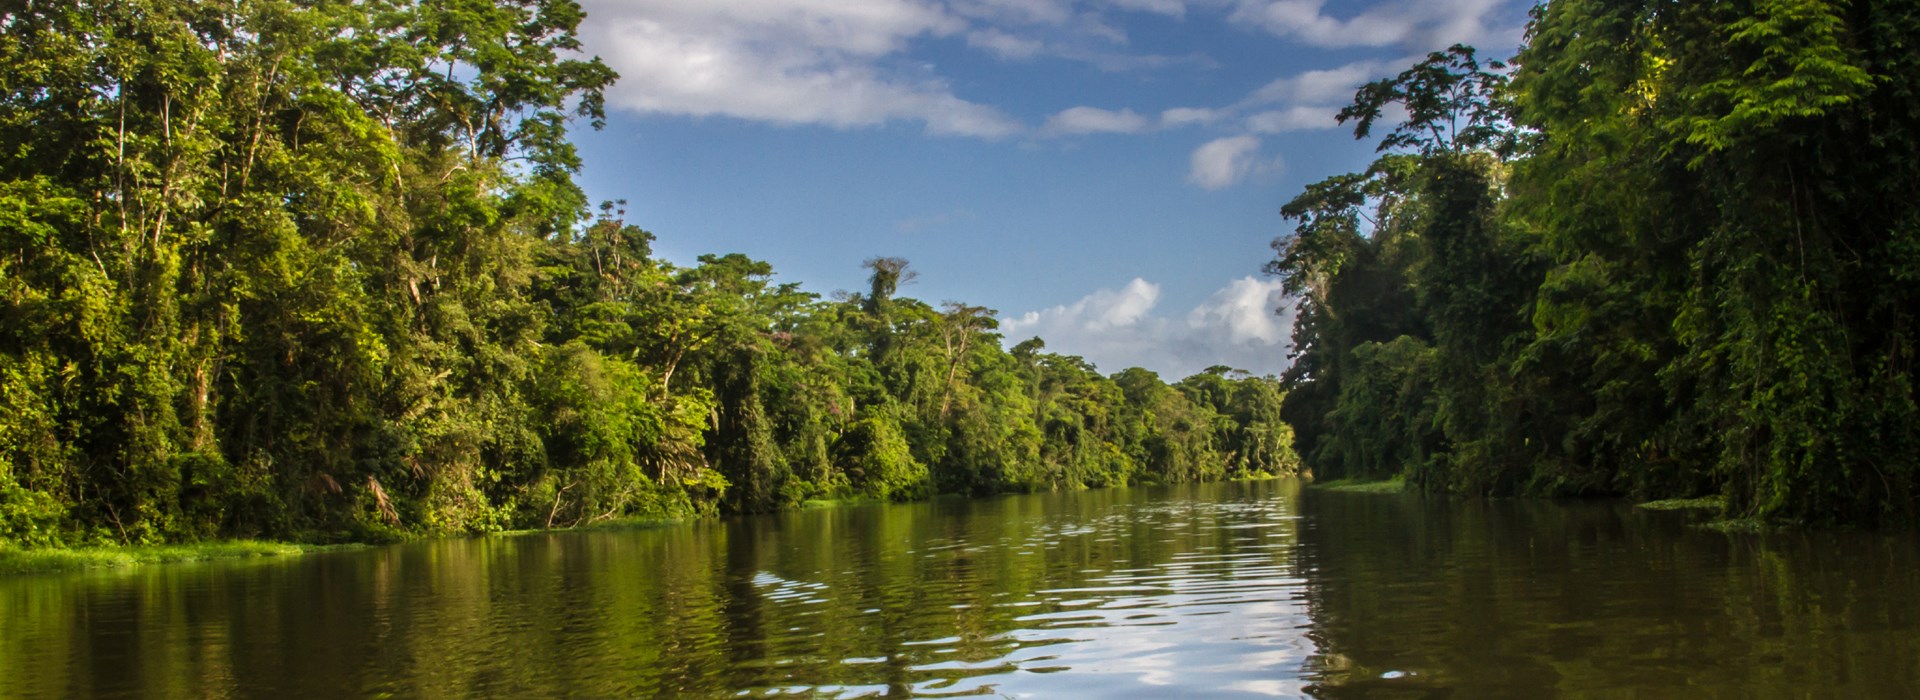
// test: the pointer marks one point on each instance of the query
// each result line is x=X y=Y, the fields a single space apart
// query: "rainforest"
x=319 y=271
x=1670 y=251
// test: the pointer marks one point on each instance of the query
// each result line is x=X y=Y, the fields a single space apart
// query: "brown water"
x=1216 y=591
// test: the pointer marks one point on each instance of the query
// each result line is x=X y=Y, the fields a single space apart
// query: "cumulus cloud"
x=1302 y=118
x=1183 y=116
x=1016 y=11
x=1223 y=162
x=1106 y=309
x=1303 y=101
x=854 y=63
x=1243 y=313
x=782 y=61
x=1005 y=45
x=1170 y=8
x=844 y=63
x=1245 y=325
x=1418 y=24
x=1083 y=32
x=1309 y=99
x=1323 y=86
x=1093 y=120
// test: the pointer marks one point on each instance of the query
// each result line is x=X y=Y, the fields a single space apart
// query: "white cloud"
x=1005 y=45
x=1245 y=325
x=1418 y=24
x=1309 y=99
x=1100 y=311
x=782 y=61
x=1183 y=116
x=1331 y=85
x=1062 y=11
x=1093 y=120
x=844 y=63
x=1293 y=119
x=1242 y=313
x=1224 y=162
x=1303 y=101
x=1012 y=47
x=1016 y=11
x=1170 y=8
x=853 y=63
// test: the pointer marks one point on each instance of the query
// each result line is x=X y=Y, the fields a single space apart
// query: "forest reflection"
x=1253 y=589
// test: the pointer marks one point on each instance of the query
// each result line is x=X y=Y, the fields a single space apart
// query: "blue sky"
x=1105 y=173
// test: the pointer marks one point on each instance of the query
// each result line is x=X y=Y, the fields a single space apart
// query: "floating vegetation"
x=1359 y=486
x=53 y=560
x=1715 y=503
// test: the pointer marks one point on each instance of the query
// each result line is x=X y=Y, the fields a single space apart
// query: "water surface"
x=1233 y=590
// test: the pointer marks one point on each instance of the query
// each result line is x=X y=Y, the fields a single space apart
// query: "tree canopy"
x=318 y=270
x=1668 y=252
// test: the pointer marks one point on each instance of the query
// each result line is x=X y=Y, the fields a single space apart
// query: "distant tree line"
x=1673 y=250
x=317 y=269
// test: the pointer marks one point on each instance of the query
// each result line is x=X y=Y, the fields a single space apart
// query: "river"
x=1256 y=589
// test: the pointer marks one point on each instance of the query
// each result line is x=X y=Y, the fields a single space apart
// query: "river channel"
x=1258 y=589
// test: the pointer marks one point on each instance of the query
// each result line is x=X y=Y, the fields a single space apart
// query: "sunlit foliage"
x=318 y=270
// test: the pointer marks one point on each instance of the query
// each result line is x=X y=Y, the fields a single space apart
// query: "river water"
x=1230 y=590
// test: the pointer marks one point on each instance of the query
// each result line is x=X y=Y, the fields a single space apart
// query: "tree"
x=1669 y=257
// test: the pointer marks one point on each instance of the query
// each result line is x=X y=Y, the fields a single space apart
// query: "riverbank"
x=1714 y=508
x=51 y=560
x=623 y=523
x=1709 y=506
x=1394 y=485
x=1713 y=503
x=15 y=560
x=62 y=559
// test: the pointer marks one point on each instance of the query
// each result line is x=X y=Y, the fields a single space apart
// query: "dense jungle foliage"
x=317 y=269
x=1672 y=250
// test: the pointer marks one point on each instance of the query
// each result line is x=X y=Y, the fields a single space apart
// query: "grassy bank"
x=34 y=561
x=1394 y=485
x=841 y=502
x=1710 y=507
x=1713 y=503
x=634 y=522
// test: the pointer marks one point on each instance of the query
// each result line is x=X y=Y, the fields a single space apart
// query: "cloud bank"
x=853 y=63
x=844 y=63
x=1415 y=24
x=783 y=61
x=1093 y=120
x=1245 y=325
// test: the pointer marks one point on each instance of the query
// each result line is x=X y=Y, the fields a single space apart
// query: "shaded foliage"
x=1670 y=253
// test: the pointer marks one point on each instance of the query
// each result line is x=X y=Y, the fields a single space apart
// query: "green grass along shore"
x=1393 y=485
x=14 y=560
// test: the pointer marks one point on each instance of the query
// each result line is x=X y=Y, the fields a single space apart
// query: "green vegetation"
x=1672 y=251
x=318 y=271
x=1713 y=503
x=50 y=560
x=1736 y=526
x=1361 y=486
